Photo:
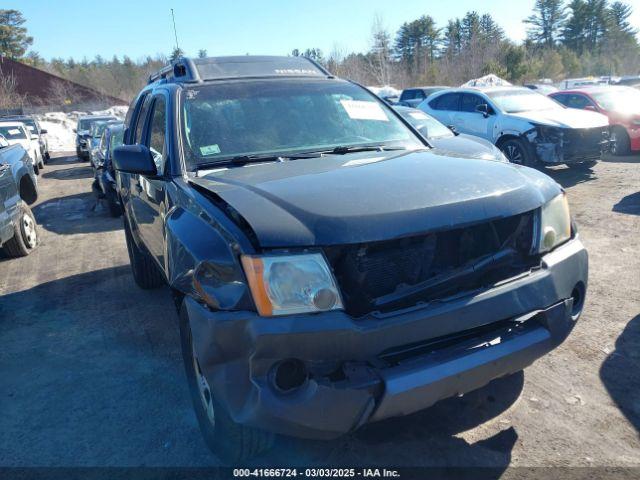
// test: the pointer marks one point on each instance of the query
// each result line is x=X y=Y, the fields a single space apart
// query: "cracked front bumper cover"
x=238 y=350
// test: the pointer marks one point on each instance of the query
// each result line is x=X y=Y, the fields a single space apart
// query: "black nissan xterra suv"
x=330 y=267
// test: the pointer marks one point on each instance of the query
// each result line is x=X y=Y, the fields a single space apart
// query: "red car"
x=620 y=104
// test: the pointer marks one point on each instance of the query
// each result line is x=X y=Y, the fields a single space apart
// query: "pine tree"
x=14 y=40
x=546 y=22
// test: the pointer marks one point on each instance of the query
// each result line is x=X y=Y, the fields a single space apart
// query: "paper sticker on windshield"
x=210 y=149
x=361 y=110
x=418 y=115
x=14 y=131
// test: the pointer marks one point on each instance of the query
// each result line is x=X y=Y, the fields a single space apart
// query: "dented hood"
x=564 y=117
x=373 y=196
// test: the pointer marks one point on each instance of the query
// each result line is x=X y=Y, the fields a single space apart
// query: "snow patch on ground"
x=60 y=125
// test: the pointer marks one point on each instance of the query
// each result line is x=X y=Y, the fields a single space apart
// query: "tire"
x=78 y=153
x=115 y=210
x=518 y=152
x=47 y=157
x=621 y=143
x=25 y=234
x=229 y=441
x=36 y=169
x=146 y=273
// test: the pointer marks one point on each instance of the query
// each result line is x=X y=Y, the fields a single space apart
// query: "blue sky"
x=137 y=28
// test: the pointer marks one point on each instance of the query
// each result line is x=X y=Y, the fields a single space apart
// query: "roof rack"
x=187 y=70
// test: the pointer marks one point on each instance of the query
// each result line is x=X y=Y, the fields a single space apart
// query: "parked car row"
x=85 y=137
x=25 y=131
x=336 y=261
x=18 y=190
x=533 y=130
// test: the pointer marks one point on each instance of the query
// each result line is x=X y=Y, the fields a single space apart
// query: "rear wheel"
x=146 y=273
x=230 y=441
x=517 y=152
x=25 y=236
x=620 y=141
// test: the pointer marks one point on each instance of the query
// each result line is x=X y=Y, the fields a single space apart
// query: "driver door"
x=472 y=122
x=150 y=205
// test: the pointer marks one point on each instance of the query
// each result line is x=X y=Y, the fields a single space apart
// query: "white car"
x=17 y=133
x=530 y=128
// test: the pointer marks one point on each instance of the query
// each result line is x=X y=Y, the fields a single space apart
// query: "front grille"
x=394 y=274
x=584 y=143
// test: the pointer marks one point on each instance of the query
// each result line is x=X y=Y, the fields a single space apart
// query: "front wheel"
x=517 y=152
x=25 y=234
x=620 y=142
x=146 y=273
x=230 y=441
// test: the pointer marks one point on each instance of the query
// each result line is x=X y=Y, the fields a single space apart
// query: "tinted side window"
x=469 y=102
x=420 y=94
x=158 y=132
x=140 y=120
x=577 y=101
x=562 y=98
x=448 y=101
x=407 y=95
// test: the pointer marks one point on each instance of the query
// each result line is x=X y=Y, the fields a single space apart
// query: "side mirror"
x=591 y=108
x=483 y=108
x=44 y=131
x=135 y=159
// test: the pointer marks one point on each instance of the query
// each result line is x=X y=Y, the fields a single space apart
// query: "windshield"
x=624 y=100
x=97 y=128
x=425 y=124
x=284 y=117
x=12 y=133
x=117 y=138
x=520 y=100
x=85 y=123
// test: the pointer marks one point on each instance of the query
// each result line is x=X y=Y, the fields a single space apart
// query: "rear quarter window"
x=448 y=101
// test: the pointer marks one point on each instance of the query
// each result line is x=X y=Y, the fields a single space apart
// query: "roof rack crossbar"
x=181 y=68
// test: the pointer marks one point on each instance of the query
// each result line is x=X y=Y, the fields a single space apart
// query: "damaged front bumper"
x=384 y=365
x=565 y=146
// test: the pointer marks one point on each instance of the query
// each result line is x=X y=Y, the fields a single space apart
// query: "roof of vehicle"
x=11 y=124
x=16 y=117
x=427 y=87
x=486 y=90
x=96 y=117
x=594 y=89
x=197 y=70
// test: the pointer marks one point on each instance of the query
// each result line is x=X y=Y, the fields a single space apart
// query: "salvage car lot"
x=93 y=375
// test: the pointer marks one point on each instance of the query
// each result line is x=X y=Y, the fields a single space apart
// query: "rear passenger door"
x=445 y=107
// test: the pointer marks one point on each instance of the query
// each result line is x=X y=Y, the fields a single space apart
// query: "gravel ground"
x=92 y=375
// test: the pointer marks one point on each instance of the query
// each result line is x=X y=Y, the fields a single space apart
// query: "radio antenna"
x=175 y=32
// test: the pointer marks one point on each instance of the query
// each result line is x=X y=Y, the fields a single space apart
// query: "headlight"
x=555 y=223
x=288 y=284
x=549 y=134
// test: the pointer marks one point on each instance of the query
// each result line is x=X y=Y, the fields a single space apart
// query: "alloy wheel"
x=203 y=388
x=514 y=154
x=29 y=230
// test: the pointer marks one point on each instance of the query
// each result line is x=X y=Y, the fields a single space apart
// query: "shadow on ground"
x=71 y=173
x=624 y=159
x=79 y=213
x=92 y=375
x=619 y=372
x=570 y=176
x=629 y=204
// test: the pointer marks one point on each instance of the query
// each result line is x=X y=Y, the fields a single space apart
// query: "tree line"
x=564 y=39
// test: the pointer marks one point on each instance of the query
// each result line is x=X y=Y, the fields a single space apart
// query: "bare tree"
x=9 y=96
x=62 y=94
